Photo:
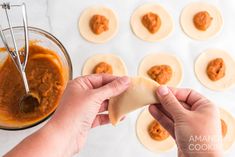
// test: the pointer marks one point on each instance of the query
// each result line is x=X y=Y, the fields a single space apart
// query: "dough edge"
x=110 y=58
x=143 y=34
x=88 y=35
x=189 y=28
x=202 y=76
x=229 y=139
x=129 y=100
x=155 y=146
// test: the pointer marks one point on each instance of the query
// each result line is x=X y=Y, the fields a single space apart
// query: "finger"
x=186 y=95
x=163 y=110
x=186 y=106
x=96 y=80
x=167 y=123
x=170 y=102
x=104 y=106
x=113 y=88
x=100 y=119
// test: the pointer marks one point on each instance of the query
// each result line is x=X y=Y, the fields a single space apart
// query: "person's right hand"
x=191 y=119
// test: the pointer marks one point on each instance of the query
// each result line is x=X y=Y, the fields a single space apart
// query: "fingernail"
x=124 y=80
x=162 y=90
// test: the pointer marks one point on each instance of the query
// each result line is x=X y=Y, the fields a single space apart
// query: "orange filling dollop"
x=160 y=73
x=216 y=69
x=157 y=132
x=202 y=20
x=224 y=127
x=103 y=67
x=152 y=22
x=99 y=24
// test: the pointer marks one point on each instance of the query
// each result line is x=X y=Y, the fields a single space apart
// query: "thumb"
x=169 y=101
x=113 y=88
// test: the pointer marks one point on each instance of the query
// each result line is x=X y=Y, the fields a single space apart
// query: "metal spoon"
x=29 y=101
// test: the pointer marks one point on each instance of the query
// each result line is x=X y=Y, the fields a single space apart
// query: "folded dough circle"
x=187 y=15
x=84 y=24
x=163 y=59
x=201 y=65
x=142 y=124
x=117 y=64
x=229 y=120
x=140 y=31
x=141 y=92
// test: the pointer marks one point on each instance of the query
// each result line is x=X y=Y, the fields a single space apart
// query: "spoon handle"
x=20 y=60
x=25 y=81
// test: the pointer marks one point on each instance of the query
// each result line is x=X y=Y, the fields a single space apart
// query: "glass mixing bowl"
x=43 y=39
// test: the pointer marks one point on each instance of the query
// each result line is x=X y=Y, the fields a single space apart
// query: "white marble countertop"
x=60 y=18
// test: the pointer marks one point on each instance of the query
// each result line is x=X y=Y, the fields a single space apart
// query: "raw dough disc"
x=142 y=124
x=159 y=59
x=201 y=65
x=186 y=20
x=140 y=31
x=229 y=138
x=140 y=93
x=118 y=66
x=84 y=26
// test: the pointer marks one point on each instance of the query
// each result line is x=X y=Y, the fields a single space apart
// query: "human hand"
x=66 y=132
x=83 y=99
x=191 y=119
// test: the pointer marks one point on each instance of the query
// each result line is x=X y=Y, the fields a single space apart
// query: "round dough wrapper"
x=159 y=59
x=84 y=24
x=140 y=31
x=118 y=66
x=142 y=124
x=141 y=92
x=229 y=138
x=186 y=20
x=201 y=65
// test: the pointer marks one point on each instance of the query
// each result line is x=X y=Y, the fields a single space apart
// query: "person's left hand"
x=83 y=99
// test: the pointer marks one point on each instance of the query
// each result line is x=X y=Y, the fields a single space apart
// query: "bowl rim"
x=70 y=70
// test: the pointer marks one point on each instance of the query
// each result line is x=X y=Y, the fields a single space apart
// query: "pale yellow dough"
x=229 y=138
x=139 y=29
x=201 y=65
x=159 y=59
x=118 y=66
x=186 y=20
x=140 y=93
x=142 y=124
x=84 y=26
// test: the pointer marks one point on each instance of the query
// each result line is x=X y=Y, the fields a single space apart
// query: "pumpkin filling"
x=160 y=73
x=152 y=22
x=202 y=20
x=104 y=68
x=157 y=132
x=99 y=24
x=216 y=69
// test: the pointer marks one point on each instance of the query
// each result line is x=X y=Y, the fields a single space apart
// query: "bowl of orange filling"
x=48 y=70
